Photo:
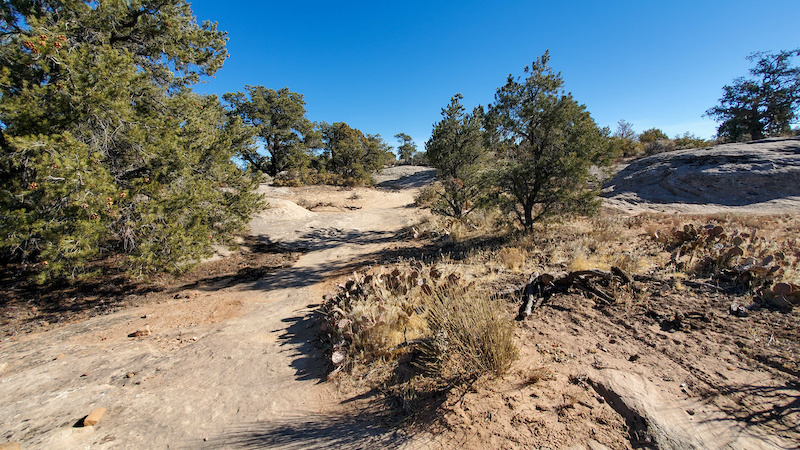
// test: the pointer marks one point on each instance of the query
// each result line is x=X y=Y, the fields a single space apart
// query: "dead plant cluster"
x=418 y=327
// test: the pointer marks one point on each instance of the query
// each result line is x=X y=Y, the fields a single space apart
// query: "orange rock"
x=94 y=417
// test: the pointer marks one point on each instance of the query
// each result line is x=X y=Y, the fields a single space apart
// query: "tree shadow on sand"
x=776 y=408
x=361 y=429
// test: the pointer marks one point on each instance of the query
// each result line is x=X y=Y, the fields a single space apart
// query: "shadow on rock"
x=301 y=337
x=730 y=175
x=416 y=180
x=773 y=407
x=354 y=431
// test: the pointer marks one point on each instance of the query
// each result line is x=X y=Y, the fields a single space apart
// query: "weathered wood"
x=597 y=292
x=541 y=287
x=529 y=297
x=622 y=275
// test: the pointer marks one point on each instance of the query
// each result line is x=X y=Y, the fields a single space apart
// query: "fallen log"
x=541 y=287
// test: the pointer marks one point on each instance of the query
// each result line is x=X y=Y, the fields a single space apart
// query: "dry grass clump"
x=433 y=323
x=419 y=309
x=479 y=337
x=513 y=258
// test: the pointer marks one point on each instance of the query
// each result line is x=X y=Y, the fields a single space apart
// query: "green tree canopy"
x=104 y=147
x=546 y=144
x=407 y=148
x=624 y=140
x=765 y=104
x=652 y=135
x=456 y=150
x=354 y=155
x=280 y=121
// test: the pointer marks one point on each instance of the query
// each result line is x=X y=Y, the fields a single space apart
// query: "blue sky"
x=387 y=67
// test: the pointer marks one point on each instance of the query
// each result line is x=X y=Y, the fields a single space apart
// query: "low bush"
x=437 y=324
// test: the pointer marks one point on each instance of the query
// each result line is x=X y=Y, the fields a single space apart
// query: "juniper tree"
x=407 y=148
x=281 y=125
x=545 y=144
x=104 y=148
x=456 y=150
x=354 y=155
x=764 y=105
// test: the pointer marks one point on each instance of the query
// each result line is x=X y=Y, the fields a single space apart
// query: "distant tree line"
x=294 y=150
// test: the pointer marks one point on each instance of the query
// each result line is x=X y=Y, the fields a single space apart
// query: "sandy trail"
x=231 y=367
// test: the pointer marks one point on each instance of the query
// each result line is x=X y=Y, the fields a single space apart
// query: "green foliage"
x=546 y=144
x=353 y=155
x=279 y=118
x=652 y=135
x=765 y=105
x=688 y=140
x=655 y=141
x=456 y=150
x=104 y=147
x=406 y=151
x=624 y=140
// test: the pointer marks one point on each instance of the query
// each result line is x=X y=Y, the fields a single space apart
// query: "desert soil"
x=227 y=358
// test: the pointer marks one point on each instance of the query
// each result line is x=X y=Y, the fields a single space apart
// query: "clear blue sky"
x=387 y=67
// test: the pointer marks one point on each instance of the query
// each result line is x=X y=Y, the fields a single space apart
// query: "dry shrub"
x=428 y=195
x=513 y=258
x=431 y=319
x=534 y=375
x=479 y=337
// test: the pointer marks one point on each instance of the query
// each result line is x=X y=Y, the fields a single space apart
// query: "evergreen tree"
x=456 y=150
x=766 y=104
x=406 y=151
x=279 y=118
x=104 y=148
x=546 y=144
x=354 y=155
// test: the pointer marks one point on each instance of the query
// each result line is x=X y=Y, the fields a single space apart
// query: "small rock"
x=131 y=374
x=94 y=417
x=59 y=357
x=690 y=412
x=633 y=358
x=738 y=310
x=86 y=374
x=338 y=357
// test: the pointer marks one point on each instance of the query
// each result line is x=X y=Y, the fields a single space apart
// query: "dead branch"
x=541 y=287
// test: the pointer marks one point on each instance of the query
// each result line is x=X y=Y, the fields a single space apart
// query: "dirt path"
x=230 y=366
